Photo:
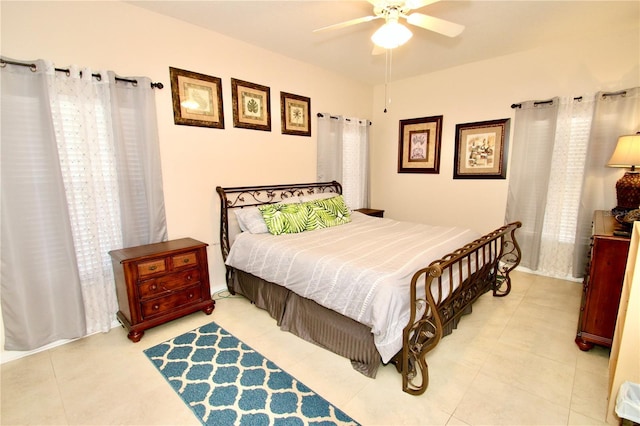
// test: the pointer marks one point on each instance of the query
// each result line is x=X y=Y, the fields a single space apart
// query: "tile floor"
x=511 y=362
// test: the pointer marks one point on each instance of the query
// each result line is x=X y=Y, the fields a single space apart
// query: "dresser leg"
x=135 y=336
x=584 y=346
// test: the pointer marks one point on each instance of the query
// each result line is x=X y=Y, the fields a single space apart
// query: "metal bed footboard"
x=443 y=291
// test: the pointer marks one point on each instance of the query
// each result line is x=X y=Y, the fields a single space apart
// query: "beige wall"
x=132 y=41
x=478 y=92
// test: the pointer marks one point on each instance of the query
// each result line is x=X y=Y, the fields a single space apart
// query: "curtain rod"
x=335 y=118
x=619 y=93
x=578 y=98
x=34 y=67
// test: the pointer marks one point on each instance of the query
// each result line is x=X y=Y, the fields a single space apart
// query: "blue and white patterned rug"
x=225 y=382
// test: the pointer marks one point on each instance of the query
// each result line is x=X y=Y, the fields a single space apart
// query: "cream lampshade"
x=627 y=154
x=392 y=34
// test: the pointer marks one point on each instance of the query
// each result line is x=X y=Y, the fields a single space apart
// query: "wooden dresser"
x=602 y=283
x=160 y=282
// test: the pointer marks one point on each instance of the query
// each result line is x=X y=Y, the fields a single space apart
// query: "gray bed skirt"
x=313 y=322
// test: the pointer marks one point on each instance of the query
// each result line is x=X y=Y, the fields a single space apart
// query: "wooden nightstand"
x=371 y=212
x=156 y=283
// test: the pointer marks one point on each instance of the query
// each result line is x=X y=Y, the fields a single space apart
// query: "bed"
x=370 y=289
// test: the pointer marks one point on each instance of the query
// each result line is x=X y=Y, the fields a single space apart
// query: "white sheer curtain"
x=343 y=155
x=557 y=246
x=559 y=174
x=80 y=176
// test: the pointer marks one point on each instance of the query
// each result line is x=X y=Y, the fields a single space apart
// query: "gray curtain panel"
x=53 y=288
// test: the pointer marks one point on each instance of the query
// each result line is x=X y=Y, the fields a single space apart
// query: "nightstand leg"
x=135 y=336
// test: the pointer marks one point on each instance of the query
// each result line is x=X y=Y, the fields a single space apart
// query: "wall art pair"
x=480 y=149
x=197 y=101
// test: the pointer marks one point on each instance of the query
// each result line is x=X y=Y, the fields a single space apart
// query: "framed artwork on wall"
x=251 y=105
x=419 y=145
x=481 y=150
x=197 y=99
x=295 y=111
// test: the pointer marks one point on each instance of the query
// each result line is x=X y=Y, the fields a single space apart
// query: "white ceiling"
x=493 y=28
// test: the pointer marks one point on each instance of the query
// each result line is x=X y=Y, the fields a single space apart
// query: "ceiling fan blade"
x=417 y=4
x=437 y=25
x=347 y=23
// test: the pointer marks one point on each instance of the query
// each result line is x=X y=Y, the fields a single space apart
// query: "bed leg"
x=230 y=277
x=508 y=259
x=418 y=341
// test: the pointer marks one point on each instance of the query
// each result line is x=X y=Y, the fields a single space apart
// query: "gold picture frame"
x=295 y=111
x=251 y=105
x=481 y=150
x=419 y=145
x=197 y=99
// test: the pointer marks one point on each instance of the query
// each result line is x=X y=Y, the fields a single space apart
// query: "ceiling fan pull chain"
x=387 y=77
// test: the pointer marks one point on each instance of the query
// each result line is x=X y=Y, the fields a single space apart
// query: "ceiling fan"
x=393 y=34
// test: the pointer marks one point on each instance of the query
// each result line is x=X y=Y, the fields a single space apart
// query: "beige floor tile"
x=382 y=402
x=541 y=376
x=449 y=381
x=577 y=419
x=589 y=396
x=493 y=402
x=595 y=360
x=512 y=361
x=541 y=339
x=29 y=392
x=454 y=421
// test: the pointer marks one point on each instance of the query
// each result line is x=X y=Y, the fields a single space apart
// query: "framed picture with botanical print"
x=481 y=150
x=251 y=105
x=197 y=99
x=419 y=145
x=295 y=111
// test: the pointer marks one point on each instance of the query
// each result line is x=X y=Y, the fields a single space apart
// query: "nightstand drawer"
x=186 y=260
x=152 y=267
x=160 y=305
x=168 y=283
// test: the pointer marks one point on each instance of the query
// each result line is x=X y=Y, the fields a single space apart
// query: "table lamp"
x=627 y=154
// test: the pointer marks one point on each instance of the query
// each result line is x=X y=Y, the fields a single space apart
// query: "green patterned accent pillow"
x=285 y=218
x=331 y=211
x=300 y=217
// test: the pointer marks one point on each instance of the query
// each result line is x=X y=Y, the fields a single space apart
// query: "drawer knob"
x=185 y=260
x=156 y=307
x=153 y=287
x=190 y=295
x=153 y=267
x=189 y=277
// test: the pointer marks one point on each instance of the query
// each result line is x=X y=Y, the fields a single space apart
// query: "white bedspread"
x=362 y=269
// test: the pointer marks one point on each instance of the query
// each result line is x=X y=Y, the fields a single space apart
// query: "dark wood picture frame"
x=197 y=99
x=481 y=150
x=419 y=145
x=251 y=105
x=295 y=112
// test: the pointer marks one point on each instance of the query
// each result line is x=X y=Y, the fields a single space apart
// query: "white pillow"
x=318 y=196
x=250 y=218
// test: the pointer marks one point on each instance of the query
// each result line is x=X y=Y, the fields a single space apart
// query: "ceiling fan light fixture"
x=391 y=35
